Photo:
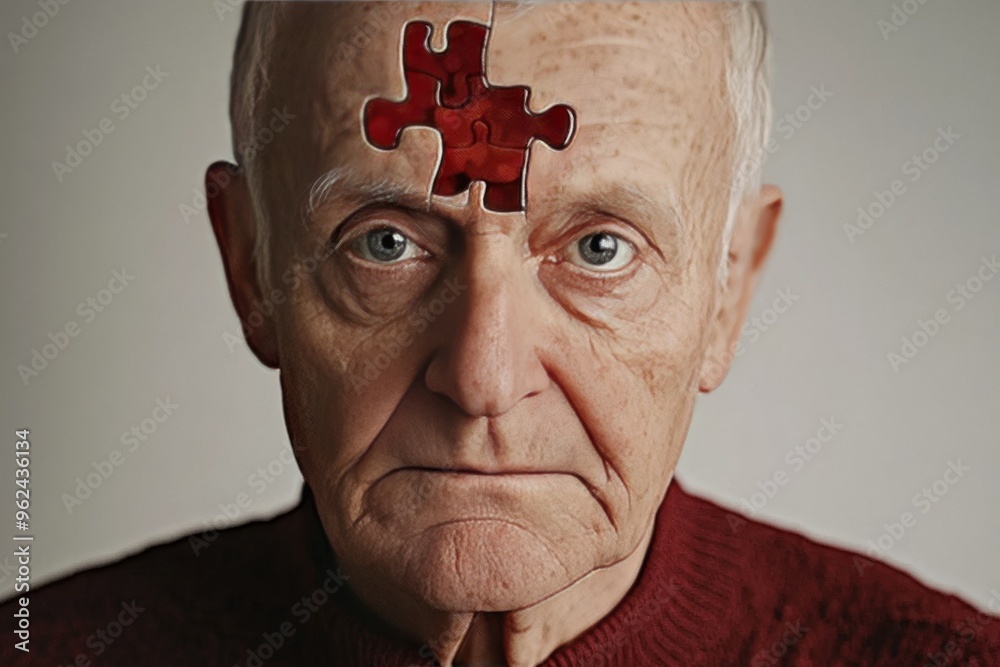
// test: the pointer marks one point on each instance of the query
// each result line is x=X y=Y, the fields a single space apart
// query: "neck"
x=518 y=638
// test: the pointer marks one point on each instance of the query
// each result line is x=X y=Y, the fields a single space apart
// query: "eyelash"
x=360 y=239
x=356 y=233
x=561 y=256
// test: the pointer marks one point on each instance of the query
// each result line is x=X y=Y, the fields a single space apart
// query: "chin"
x=485 y=565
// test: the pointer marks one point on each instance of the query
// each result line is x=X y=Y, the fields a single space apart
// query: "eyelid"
x=402 y=220
x=359 y=247
x=586 y=222
x=616 y=227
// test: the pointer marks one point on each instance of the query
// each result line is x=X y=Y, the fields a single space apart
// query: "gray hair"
x=748 y=80
x=249 y=86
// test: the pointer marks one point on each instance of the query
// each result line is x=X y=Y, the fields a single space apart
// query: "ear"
x=749 y=247
x=234 y=223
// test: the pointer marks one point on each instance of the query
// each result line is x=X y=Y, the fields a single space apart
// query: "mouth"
x=481 y=471
x=531 y=491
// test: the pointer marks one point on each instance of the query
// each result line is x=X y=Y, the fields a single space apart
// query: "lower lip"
x=417 y=495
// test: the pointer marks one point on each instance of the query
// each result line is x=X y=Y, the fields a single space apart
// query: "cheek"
x=618 y=307
x=316 y=398
x=342 y=379
x=632 y=377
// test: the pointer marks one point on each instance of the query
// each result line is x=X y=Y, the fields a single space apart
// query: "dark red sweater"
x=716 y=589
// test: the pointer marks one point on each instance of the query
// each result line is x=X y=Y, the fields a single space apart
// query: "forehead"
x=648 y=114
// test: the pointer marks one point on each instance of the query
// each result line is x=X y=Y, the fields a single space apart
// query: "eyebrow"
x=352 y=186
x=633 y=204
x=618 y=198
x=631 y=199
x=345 y=183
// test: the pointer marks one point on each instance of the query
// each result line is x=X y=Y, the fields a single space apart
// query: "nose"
x=488 y=360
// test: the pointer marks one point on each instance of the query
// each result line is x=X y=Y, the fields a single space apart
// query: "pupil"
x=599 y=248
x=386 y=244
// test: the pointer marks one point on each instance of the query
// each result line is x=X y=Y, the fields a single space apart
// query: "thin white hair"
x=748 y=81
x=249 y=89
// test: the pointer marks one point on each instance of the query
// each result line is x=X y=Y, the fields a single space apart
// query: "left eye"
x=385 y=246
x=601 y=252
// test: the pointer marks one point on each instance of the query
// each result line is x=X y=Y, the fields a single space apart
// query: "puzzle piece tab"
x=486 y=131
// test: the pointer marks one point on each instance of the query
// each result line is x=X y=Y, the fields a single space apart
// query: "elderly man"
x=495 y=252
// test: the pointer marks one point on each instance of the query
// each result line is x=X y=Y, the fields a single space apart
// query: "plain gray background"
x=824 y=357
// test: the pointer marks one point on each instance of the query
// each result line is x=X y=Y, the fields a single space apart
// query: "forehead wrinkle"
x=602 y=42
x=600 y=122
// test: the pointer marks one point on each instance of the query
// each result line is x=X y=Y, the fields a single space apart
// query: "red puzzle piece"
x=485 y=130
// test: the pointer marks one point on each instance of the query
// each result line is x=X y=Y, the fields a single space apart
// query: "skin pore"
x=491 y=491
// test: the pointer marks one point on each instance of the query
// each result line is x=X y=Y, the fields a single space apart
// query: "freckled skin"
x=578 y=385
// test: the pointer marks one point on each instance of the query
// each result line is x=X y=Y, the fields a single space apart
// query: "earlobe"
x=234 y=224
x=749 y=248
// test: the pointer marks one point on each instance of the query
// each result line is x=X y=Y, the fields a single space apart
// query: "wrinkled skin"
x=490 y=487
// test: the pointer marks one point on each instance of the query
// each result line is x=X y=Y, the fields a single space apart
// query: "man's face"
x=489 y=406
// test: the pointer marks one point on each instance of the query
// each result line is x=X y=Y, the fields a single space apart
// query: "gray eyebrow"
x=629 y=202
x=346 y=183
x=616 y=198
x=617 y=195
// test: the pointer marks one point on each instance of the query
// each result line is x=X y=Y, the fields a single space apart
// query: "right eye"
x=385 y=245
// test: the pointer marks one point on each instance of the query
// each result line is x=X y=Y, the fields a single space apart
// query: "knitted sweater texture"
x=716 y=588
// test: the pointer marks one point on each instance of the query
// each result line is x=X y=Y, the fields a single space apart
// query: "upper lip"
x=483 y=447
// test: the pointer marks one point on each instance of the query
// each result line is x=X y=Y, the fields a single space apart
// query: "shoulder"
x=194 y=596
x=818 y=596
